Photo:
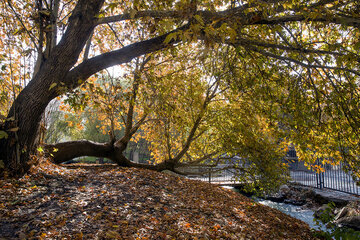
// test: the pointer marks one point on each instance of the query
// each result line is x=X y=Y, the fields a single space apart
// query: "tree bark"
x=62 y=152
x=59 y=69
x=66 y=151
x=26 y=111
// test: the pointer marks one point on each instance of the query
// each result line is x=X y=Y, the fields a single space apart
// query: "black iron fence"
x=334 y=177
x=220 y=174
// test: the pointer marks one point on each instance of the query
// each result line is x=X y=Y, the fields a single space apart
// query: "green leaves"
x=3 y=134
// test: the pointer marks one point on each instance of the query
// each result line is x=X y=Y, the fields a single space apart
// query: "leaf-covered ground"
x=90 y=202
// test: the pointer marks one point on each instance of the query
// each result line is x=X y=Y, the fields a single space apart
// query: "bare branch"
x=269 y=54
x=32 y=37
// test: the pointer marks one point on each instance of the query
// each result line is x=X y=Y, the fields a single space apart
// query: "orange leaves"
x=318 y=168
x=43 y=236
x=82 y=189
x=70 y=123
x=187 y=225
x=138 y=204
x=216 y=227
x=78 y=236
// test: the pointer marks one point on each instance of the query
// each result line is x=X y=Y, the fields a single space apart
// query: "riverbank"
x=342 y=209
x=122 y=203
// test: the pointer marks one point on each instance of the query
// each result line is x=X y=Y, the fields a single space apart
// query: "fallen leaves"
x=122 y=203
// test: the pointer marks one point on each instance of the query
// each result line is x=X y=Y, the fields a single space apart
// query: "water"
x=305 y=215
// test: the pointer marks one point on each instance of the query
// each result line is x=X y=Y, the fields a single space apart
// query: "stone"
x=349 y=216
x=284 y=189
x=349 y=222
x=277 y=197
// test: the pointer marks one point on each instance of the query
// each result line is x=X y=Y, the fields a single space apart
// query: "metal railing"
x=334 y=178
x=216 y=175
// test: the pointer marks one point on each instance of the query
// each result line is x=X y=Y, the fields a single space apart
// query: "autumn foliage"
x=198 y=80
x=88 y=202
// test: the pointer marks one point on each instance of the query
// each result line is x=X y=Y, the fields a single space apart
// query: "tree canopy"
x=199 y=79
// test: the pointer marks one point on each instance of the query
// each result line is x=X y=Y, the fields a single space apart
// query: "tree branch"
x=120 y=56
x=62 y=152
x=269 y=54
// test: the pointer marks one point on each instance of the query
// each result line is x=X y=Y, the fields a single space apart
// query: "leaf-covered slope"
x=108 y=203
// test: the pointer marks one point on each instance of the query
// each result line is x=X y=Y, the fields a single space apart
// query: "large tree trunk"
x=57 y=75
x=26 y=111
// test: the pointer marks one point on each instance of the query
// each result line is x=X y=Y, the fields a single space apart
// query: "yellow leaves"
x=285 y=165
x=43 y=236
x=40 y=149
x=52 y=86
x=199 y=19
x=13 y=129
x=171 y=37
x=287 y=5
x=132 y=13
x=112 y=234
x=70 y=123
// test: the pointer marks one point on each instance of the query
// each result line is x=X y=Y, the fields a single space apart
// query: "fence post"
x=210 y=175
x=320 y=176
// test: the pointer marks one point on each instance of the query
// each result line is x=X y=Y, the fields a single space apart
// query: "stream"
x=305 y=215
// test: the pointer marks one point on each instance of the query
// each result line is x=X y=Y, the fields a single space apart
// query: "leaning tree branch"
x=65 y=151
x=62 y=152
x=93 y=65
